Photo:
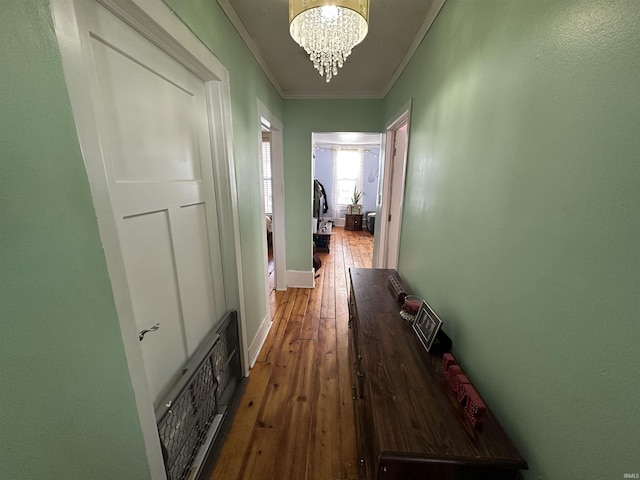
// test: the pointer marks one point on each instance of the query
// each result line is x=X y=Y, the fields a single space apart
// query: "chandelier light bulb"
x=329 y=12
x=328 y=30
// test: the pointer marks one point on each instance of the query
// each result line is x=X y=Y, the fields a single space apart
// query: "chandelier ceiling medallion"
x=328 y=30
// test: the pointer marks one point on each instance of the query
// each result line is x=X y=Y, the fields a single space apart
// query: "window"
x=266 y=173
x=347 y=175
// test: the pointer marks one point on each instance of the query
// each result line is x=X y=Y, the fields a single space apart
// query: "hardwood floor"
x=296 y=419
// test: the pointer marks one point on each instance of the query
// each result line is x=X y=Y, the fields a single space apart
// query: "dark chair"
x=371 y=222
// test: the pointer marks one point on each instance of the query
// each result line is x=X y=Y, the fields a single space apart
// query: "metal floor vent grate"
x=189 y=418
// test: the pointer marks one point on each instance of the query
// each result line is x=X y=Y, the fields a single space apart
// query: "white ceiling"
x=346 y=138
x=396 y=28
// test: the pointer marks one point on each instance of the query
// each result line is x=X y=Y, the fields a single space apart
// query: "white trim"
x=377 y=243
x=335 y=95
x=259 y=339
x=226 y=151
x=300 y=279
x=352 y=139
x=235 y=20
x=66 y=23
x=277 y=180
x=262 y=225
x=153 y=20
x=251 y=44
x=434 y=9
x=384 y=203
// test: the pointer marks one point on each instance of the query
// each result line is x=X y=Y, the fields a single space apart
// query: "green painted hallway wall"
x=521 y=218
x=520 y=227
x=68 y=410
x=302 y=118
x=71 y=413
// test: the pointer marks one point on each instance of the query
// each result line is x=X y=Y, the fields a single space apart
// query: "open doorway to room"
x=272 y=190
x=391 y=192
x=267 y=184
x=344 y=162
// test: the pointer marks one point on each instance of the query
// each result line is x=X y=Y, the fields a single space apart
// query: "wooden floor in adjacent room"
x=296 y=418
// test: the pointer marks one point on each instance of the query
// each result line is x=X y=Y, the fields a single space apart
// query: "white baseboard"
x=258 y=340
x=298 y=279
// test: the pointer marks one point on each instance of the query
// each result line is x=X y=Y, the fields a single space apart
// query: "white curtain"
x=347 y=175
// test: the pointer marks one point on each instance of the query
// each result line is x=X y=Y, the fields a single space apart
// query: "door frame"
x=159 y=25
x=384 y=194
x=277 y=180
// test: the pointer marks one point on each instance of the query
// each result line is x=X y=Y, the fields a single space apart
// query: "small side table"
x=322 y=241
x=353 y=221
x=322 y=238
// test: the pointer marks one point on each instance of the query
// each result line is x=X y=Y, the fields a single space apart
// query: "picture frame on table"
x=426 y=325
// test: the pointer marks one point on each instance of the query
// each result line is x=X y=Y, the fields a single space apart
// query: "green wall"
x=67 y=409
x=302 y=118
x=521 y=222
x=248 y=83
x=520 y=227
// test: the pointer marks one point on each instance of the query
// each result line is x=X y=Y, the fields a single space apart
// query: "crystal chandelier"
x=328 y=30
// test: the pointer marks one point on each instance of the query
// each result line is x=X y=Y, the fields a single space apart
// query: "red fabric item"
x=451 y=376
x=447 y=361
x=474 y=408
x=461 y=380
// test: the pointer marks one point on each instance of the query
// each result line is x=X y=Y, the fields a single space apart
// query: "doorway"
x=272 y=192
x=267 y=202
x=391 y=193
x=342 y=162
x=162 y=181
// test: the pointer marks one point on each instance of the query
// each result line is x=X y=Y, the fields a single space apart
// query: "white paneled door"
x=152 y=120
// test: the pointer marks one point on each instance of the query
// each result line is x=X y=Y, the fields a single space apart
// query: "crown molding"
x=251 y=44
x=311 y=95
x=235 y=20
x=435 y=8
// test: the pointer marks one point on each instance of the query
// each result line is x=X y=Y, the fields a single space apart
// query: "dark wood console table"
x=409 y=423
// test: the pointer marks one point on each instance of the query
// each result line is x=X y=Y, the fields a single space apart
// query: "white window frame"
x=340 y=202
x=267 y=175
